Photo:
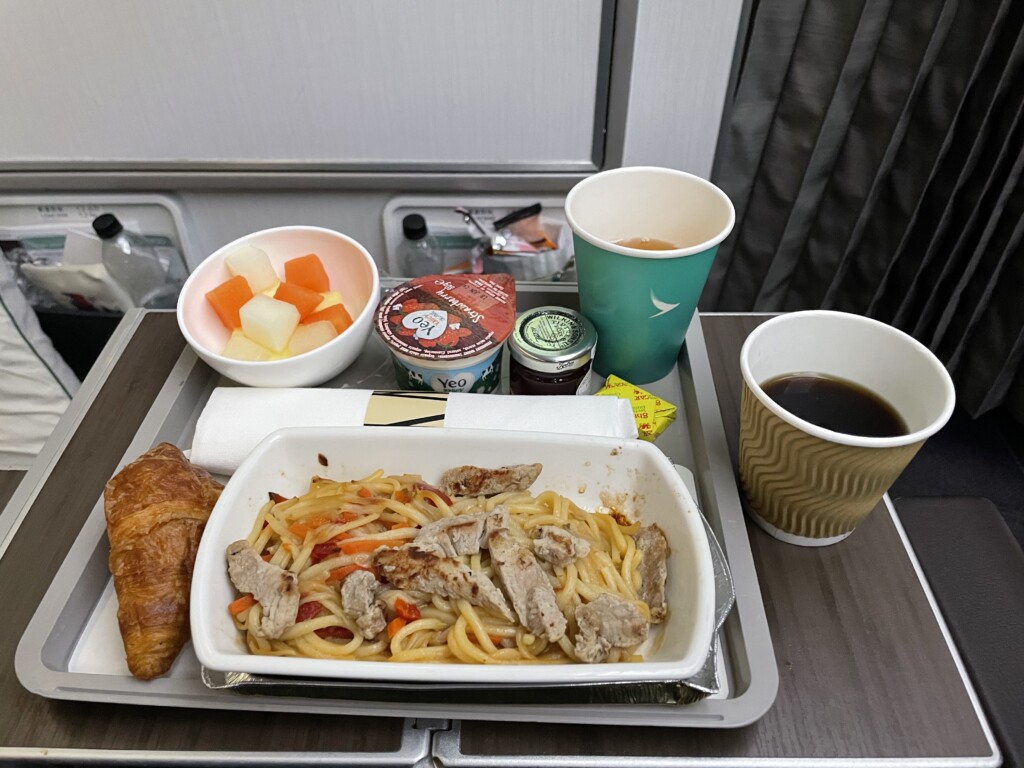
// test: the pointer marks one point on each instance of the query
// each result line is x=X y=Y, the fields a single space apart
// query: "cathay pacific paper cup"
x=641 y=300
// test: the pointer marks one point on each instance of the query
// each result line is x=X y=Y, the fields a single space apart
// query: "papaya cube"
x=336 y=314
x=307 y=271
x=304 y=299
x=227 y=298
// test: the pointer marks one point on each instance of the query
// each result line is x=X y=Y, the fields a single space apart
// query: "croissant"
x=156 y=509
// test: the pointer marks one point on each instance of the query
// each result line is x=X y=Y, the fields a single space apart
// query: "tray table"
x=72 y=649
x=868 y=675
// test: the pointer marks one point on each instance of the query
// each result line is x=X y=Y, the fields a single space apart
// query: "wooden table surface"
x=864 y=669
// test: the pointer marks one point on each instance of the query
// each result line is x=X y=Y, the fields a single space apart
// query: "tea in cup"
x=644 y=241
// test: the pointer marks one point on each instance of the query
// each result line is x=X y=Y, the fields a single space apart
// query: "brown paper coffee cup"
x=806 y=484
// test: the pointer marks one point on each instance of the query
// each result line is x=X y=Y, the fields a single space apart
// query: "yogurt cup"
x=445 y=332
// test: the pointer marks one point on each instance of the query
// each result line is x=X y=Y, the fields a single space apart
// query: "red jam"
x=550 y=352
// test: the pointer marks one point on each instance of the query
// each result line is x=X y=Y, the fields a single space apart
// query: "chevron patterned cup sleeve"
x=808 y=487
x=644 y=241
x=805 y=484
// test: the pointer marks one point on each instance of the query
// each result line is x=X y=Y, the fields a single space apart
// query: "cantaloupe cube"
x=329 y=300
x=311 y=336
x=269 y=322
x=254 y=265
x=241 y=347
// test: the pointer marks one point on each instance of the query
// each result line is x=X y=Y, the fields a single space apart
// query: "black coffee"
x=835 y=404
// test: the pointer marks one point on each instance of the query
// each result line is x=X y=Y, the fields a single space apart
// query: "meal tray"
x=72 y=649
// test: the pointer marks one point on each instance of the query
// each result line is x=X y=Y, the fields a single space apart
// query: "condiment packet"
x=521 y=232
x=652 y=414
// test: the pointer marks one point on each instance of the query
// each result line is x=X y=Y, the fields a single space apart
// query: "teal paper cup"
x=642 y=301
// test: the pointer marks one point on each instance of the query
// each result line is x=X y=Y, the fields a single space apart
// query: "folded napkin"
x=236 y=419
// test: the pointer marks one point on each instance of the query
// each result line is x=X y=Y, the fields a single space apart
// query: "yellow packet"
x=652 y=414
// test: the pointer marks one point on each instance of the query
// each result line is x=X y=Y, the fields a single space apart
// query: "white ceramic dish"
x=631 y=474
x=352 y=272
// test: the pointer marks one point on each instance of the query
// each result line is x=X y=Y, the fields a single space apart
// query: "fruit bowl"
x=351 y=273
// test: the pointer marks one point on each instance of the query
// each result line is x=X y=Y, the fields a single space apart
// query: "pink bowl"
x=352 y=272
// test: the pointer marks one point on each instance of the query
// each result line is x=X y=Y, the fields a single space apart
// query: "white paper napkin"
x=236 y=419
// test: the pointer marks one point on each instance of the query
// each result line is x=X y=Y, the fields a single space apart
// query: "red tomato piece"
x=323 y=551
x=309 y=611
x=334 y=633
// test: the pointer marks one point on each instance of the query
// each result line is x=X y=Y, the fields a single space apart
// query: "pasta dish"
x=475 y=570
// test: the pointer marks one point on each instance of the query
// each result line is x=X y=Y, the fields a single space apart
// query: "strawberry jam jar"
x=550 y=352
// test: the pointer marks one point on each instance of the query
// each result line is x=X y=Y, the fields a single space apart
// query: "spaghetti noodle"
x=334 y=529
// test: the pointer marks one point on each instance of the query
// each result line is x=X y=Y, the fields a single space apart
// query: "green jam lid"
x=552 y=340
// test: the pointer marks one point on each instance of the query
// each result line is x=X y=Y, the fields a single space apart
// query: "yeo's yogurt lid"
x=448 y=317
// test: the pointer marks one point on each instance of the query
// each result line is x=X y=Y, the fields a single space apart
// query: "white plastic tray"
x=70 y=649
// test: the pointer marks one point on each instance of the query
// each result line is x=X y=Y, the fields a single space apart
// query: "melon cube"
x=269 y=322
x=254 y=265
x=311 y=336
x=241 y=347
x=330 y=299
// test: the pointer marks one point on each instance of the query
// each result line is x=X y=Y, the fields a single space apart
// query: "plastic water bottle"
x=134 y=265
x=419 y=254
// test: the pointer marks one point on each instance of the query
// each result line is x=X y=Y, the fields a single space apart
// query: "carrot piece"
x=348 y=516
x=299 y=296
x=365 y=492
x=301 y=527
x=335 y=313
x=307 y=271
x=398 y=526
x=407 y=611
x=339 y=574
x=227 y=298
x=355 y=546
x=244 y=603
x=395 y=625
x=495 y=640
x=402 y=496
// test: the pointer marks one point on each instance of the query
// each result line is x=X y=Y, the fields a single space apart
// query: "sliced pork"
x=479 y=481
x=453 y=536
x=651 y=542
x=605 y=623
x=526 y=584
x=360 y=603
x=423 y=569
x=276 y=590
x=558 y=546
